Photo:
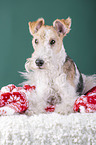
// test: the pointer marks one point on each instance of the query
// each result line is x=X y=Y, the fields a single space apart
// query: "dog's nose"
x=39 y=62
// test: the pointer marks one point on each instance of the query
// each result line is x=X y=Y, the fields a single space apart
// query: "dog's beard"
x=51 y=62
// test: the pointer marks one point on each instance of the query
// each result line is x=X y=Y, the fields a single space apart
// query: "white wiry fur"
x=51 y=82
x=50 y=79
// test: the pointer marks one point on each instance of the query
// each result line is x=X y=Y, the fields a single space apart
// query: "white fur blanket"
x=48 y=129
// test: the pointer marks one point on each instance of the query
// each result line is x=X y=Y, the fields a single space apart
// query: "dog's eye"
x=36 y=41
x=52 y=42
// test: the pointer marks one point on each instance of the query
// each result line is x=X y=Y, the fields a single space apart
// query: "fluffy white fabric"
x=48 y=129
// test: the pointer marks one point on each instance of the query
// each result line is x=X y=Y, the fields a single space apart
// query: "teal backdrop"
x=15 y=40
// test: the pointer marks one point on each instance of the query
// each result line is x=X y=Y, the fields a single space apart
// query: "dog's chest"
x=45 y=80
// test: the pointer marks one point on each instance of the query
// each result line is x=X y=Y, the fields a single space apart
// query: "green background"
x=15 y=40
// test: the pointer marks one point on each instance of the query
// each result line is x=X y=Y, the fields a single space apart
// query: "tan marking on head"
x=69 y=70
x=44 y=35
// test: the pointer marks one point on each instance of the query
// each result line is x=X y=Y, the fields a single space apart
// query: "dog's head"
x=47 y=42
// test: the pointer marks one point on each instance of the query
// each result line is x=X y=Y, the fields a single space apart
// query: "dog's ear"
x=62 y=26
x=35 y=26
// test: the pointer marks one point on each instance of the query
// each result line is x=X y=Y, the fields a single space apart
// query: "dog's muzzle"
x=39 y=62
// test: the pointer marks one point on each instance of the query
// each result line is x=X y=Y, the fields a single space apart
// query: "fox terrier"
x=57 y=79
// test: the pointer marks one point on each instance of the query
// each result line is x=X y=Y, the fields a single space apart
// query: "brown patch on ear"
x=69 y=70
x=62 y=26
x=35 y=26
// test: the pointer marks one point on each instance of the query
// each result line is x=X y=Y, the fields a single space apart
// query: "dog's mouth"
x=40 y=67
